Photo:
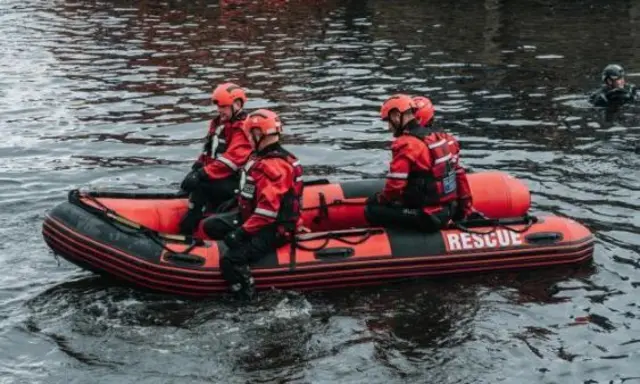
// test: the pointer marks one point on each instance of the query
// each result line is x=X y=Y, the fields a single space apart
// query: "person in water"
x=615 y=91
x=269 y=201
x=214 y=177
x=426 y=187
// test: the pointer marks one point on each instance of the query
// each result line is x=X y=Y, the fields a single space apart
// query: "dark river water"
x=98 y=93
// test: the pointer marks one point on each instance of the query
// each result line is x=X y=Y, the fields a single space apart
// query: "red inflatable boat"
x=131 y=236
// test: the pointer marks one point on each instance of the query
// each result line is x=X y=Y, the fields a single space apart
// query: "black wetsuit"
x=607 y=97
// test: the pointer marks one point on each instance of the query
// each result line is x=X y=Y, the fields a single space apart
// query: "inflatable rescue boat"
x=132 y=236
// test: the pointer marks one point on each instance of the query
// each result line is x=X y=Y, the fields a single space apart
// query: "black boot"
x=190 y=220
x=197 y=203
x=245 y=290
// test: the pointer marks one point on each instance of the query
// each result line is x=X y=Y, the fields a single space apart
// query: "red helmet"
x=400 y=102
x=265 y=120
x=425 y=110
x=225 y=94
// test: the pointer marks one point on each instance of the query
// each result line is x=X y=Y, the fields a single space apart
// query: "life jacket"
x=436 y=186
x=288 y=216
x=216 y=140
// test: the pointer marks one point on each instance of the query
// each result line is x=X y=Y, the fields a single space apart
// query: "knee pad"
x=382 y=215
x=217 y=226
x=219 y=191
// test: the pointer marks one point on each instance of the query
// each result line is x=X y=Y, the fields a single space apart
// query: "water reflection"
x=169 y=56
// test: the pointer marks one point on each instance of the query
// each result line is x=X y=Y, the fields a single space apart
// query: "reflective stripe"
x=437 y=144
x=397 y=175
x=451 y=142
x=249 y=165
x=214 y=144
x=246 y=194
x=250 y=178
x=216 y=140
x=443 y=159
x=227 y=162
x=266 y=213
x=243 y=179
x=299 y=179
x=295 y=163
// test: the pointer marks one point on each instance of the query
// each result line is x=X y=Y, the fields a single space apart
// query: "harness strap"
x=527 y=220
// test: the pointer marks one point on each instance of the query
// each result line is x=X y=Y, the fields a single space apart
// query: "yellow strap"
x=135 y=225
x=173 y=237
x=124 y=221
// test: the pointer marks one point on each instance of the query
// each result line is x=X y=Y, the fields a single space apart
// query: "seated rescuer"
x=214 y=177
x=269 y=200
x=615 y=91
x=426 y=186
x=424 y=111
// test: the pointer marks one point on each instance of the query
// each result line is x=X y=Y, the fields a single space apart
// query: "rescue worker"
x=215 y=175
x=426 y=187
x=269 y=202
x=614 y=92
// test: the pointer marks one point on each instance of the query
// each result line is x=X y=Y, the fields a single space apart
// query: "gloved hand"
x=236 y=238
x=197 y=165
x=465 y=208
x=619 y=96
x=376 y=198
x=616 y=91
x=192 y=180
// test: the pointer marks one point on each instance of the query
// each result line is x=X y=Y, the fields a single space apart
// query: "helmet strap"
x=234 y=111
x=399 y=128
x=262 y=138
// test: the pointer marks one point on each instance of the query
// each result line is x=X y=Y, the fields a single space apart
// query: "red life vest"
x=219 y=135
x=438 y=185
x=288 y=216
